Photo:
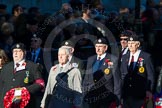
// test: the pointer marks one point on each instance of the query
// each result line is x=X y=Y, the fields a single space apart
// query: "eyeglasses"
x=125 y=39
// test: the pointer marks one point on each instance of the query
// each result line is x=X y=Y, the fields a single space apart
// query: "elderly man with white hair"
x=64 y=83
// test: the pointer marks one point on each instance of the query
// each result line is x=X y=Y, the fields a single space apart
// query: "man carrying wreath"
x=20 y=79
x=137 y=74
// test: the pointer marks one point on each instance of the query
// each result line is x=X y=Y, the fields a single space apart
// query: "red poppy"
x=107 y=60
x=24 y=64
x=140 y=59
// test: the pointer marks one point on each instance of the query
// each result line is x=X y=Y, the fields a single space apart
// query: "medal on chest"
x=26 y=79
x=110 y=64
x=141 y=68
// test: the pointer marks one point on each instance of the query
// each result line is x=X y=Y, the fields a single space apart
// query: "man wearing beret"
x=137 y=74
x=21 y=76
x=72 y=59
x=102 y=80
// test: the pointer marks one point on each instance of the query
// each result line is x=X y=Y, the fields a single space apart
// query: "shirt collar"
x=21 y=62
x=136 y=55
x=62 y=65
x=102 y=56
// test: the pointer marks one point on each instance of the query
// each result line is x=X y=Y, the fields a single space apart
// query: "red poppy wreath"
x=10 y=98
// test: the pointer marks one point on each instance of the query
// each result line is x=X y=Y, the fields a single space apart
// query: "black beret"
x=133 y=38
x=19 y=46
x=68 y=43
x=101 y=41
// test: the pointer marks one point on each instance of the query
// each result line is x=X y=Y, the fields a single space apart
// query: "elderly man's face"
x=133 y=46
x=123 y=41
x=18 y=55
x=100 y=49
x=62 y=57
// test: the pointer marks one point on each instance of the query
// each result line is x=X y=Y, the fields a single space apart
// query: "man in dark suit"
x=102 y=79
x=123 y=49
x=124 y=41
x=36 y=55
x=137 y=74
x=20 y=74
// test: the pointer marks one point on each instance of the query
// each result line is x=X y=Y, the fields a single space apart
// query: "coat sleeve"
x=150 y=73
x=1 y=87
x=38 y=82
x=117 y=78
x=47 y=90
x=77 y=87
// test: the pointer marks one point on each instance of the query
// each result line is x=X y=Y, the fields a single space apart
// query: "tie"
x=131 y=66
x=96 y=64
x=99 y=58
x=17 y=65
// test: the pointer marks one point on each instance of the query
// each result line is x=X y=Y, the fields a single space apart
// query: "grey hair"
x=67 y=50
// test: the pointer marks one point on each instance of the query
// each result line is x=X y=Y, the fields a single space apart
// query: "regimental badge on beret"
x=75 y=65
x=131 y=39
x=66 y=43
x=34 y=35
x=99 y=40
x=17 y=46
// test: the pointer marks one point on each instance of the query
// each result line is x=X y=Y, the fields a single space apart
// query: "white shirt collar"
x=63 y=65
x=21 y=62
x=102 y=56
x=136 y=55
x=125 y=51
x=21 y=66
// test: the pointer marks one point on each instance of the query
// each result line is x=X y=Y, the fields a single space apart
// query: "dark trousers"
x=109 y=101
x=131 y=102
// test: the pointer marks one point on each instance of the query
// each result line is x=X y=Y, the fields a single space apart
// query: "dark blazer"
x=39 y=59
x=9 y=80
x=99 y=82
x=136 y=83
